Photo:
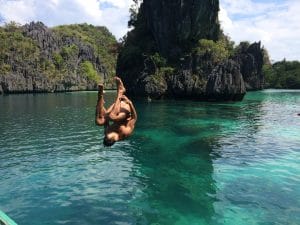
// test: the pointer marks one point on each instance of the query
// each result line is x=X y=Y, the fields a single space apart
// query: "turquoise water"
x=187 y=162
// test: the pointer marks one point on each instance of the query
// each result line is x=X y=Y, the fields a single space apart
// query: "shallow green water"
x=187 y=162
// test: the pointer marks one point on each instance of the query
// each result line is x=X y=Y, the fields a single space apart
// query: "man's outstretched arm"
x=100 y=110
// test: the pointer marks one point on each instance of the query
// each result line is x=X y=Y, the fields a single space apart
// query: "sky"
x=273 y=22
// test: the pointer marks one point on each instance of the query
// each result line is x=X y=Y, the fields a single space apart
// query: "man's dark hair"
x=107 y=142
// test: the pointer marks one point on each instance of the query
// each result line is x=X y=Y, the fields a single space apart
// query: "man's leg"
x=100 y=110
x=120 y=91
x=116 y=114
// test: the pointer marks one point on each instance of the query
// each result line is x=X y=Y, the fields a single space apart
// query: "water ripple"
x=187 y=162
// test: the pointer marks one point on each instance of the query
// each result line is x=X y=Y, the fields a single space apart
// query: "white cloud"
x=275 y=23
x=113 y=14
x=123 y=4
x=18 y=11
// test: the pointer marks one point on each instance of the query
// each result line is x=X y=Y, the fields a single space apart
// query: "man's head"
x=108 y=142
x=110 y=139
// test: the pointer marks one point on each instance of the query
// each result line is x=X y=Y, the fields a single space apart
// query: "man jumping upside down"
x=119 y=119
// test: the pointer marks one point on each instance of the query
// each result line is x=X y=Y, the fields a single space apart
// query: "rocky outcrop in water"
x=177 y=49
x=36 y=58
x=226 y=82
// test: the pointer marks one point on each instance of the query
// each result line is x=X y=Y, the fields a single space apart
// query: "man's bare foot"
x=120 y=85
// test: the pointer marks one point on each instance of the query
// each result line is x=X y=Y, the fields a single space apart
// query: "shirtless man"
x=122 y=114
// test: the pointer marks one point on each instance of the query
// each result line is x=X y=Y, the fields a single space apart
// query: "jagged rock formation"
x=179 y=84
x=35 y=58
x=251 y=63
x=226 y=82
x=177 y=49
x=46 y=39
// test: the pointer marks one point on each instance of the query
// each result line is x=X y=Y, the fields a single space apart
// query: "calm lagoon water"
x=187 y=162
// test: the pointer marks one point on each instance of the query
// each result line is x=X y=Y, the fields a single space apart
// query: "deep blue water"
x=187 y=162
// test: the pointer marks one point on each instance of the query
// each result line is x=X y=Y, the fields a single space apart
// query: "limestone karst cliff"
x=177 y=49
x=35 y=58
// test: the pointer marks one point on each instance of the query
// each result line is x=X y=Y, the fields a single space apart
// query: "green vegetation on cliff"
x=216 y=51
x=15 y=48
x=88 y=69
x=283 y=74
x=68 y=57
x=99 y=38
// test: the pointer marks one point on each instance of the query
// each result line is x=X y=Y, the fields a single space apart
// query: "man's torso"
x=120 y=126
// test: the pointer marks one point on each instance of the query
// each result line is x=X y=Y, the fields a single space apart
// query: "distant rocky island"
x=35 y=58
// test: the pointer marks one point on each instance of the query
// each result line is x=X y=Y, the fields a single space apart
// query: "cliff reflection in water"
x=175 y=165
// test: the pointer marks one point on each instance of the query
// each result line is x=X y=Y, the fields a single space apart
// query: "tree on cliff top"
x=133 y=12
